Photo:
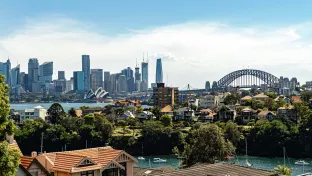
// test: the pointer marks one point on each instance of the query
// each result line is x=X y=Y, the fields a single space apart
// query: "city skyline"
x=231 y=38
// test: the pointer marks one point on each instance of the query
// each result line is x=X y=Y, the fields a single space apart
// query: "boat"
x=141 y=158
x=158 y=160
x=301 y=163
x=248 y=163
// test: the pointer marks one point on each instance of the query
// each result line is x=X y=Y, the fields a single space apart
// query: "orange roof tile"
x=26 y=161
x=260 y=96
x=246 y=98
x=167 y=108
x=296 y=99
x=264 y=113
x=287 y=107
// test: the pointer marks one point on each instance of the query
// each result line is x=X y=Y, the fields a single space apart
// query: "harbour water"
x=258 y=162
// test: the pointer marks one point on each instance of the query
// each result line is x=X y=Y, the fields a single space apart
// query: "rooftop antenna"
x=143 y=56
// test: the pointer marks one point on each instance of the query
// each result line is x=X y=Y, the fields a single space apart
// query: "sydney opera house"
x=100 y=93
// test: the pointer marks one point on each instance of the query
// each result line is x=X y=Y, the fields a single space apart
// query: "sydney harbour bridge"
x=245 y=78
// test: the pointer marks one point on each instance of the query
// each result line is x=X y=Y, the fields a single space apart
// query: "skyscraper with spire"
x=159 y=72
x=144 y=67
x=137 y=78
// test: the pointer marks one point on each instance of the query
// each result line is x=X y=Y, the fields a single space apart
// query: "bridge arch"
x=244 y=75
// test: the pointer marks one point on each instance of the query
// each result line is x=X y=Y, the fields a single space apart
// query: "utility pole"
x=41 y=146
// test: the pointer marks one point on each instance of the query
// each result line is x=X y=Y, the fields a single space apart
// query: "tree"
x=84 y=107
x=231 y=132
x=283 y=170
x=257 y=104
x=55 y=112
x=306 y=96
x=72 y=112
x=206 y=145
x=270 y=104
x=156 y=111
x=245 y=93
x=139 y=109
x=231 y=99
x=122 y=124
x=9 y=158
x=166 y=120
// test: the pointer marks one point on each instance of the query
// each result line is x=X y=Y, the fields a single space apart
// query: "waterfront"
x=258 y=162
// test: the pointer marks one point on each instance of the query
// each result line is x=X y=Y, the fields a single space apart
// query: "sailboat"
x=248 y=163
x=141 y=157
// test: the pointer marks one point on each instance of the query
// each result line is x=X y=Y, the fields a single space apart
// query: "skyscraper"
x=96 y=78
x=113 y=83
x=128 y=72
x=159 y=72
x=79 y=81
x=207 y=86
x=144 y=83
x=61 y=75
x=122 y=83
x=137 y=79
x=86 y=71
x=33 y=66
x=8 y=70
x=46 y=72
x=15 y=76
x=107 y=82
x=23 y=79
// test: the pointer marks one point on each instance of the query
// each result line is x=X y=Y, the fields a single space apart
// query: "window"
x=87 y=173
x=110 y=172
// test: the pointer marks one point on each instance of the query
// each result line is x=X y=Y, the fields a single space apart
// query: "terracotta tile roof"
x=26 y=161
x=246 y=98
x=78 y=112
x=264 y=113
x=137 y=171
x=167 y=108
x=287 y=107
x=219 y=169
x=206 y=110
x=260 y=96
x=296 y=99
x=247 y=109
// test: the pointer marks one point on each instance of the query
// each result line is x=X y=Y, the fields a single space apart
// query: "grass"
x=119 y=131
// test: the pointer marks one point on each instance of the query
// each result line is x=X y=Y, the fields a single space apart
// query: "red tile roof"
x=26 y=161
x=296 y=99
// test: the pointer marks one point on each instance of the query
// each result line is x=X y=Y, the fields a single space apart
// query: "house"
x=208 y=101
x=126 y=115
x=296 y=99
x=166 y=110
x=206 y=115
x=123 y=103
x=137 y=171
x=219 y=169
x=95 y=110
x=269 y=115
x=245 y=100
x=100 y=161
x=286 y=99
x=33 y=166
x=226 y=113
x=260 y=97
x=184 y=113
x=21 y=171
x=288 y=111
x=193 y=102
x=36 y=112
x=146 y=115
x=247 y=114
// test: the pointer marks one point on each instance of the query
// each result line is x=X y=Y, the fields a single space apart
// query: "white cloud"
x=192 y=52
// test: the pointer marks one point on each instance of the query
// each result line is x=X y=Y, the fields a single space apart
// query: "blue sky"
x=188 y=35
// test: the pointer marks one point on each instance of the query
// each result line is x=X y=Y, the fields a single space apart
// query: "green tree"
x=89 y=119
x=270 y=104
x=283 y=170
x=271 y=95
x=245 y=93
x=231 y=99
x=139 y=109
x=84 y=107
x=166 y=120
x=9 y=158
x=257 y=104
x=231 y=132
x=306 y=96
x=206 y=145
x=122 y=124
x=55 y=113
x=72 y=112
x=156 y=111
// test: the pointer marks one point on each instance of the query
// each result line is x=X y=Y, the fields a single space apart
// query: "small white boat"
x=141 y=158
x=158 y=160
x=301 y=163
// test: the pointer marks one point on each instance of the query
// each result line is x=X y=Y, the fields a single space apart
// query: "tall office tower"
x=96 y=78
x=128 y=72
x=113 y=83
x=33 y=66
x=22 y=78
x=86 y=71
x=79 y=81
x=46 y=72
x=15 y=76
x=8 y=72
x=293 y=83
x=122 y=83
x=61 y=75
x=207 y=86
x=144 y=84
x=107 y=82
x=159 y=72
x=137 y=79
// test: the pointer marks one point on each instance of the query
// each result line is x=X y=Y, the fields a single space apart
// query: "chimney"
x=33 y=154
x=9 y=138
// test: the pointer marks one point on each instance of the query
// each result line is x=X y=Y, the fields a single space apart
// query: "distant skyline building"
x=207 y=86
x=128 y=72
x=96 y=78
x=159 y=71
x=144 y=83
x=137 y=79
x=61 y=75
x=113 y=83
x=79 y=81
x=107 y=82
x=23 y=79
x=86 y=71
x=46 y=72
x=33 y=77
x=122 y=83
x=15 y=76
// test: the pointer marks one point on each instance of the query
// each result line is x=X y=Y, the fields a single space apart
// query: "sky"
x=198 y=40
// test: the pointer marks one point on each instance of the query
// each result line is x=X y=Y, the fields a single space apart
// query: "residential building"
x=260 y=97
x=288 y=111
x=185 y=114
x=295 y=99
x=144 y=84
x=33 y=77
x=96 y=78
x=163 y=96
x=79 y=82
x=99 y=161
x=207 y=86
x=268 y=115
x=122 y=84
x=86 y=71
x=206 y=115
x=159 y=71
x=246 y=114
x=126 y=115
x=167 y=110
x=226 y=113
x=36 y=112
x=46 y=72
x=245 y=99
x=145 y=115
x=33 y=166
x=61 y=75
x=208 y=101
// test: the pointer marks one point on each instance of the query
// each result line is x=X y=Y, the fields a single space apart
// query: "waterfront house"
x=265 y=114
x=146 y=115
x=185 y=114
x=127 y=103
x=219 y=169
x=246 y=114
x=260 y=97
x=245 y=99
x=100 y=161
x=288 y=111
x=166 y=110
x=206 y=115
x=36 y=112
